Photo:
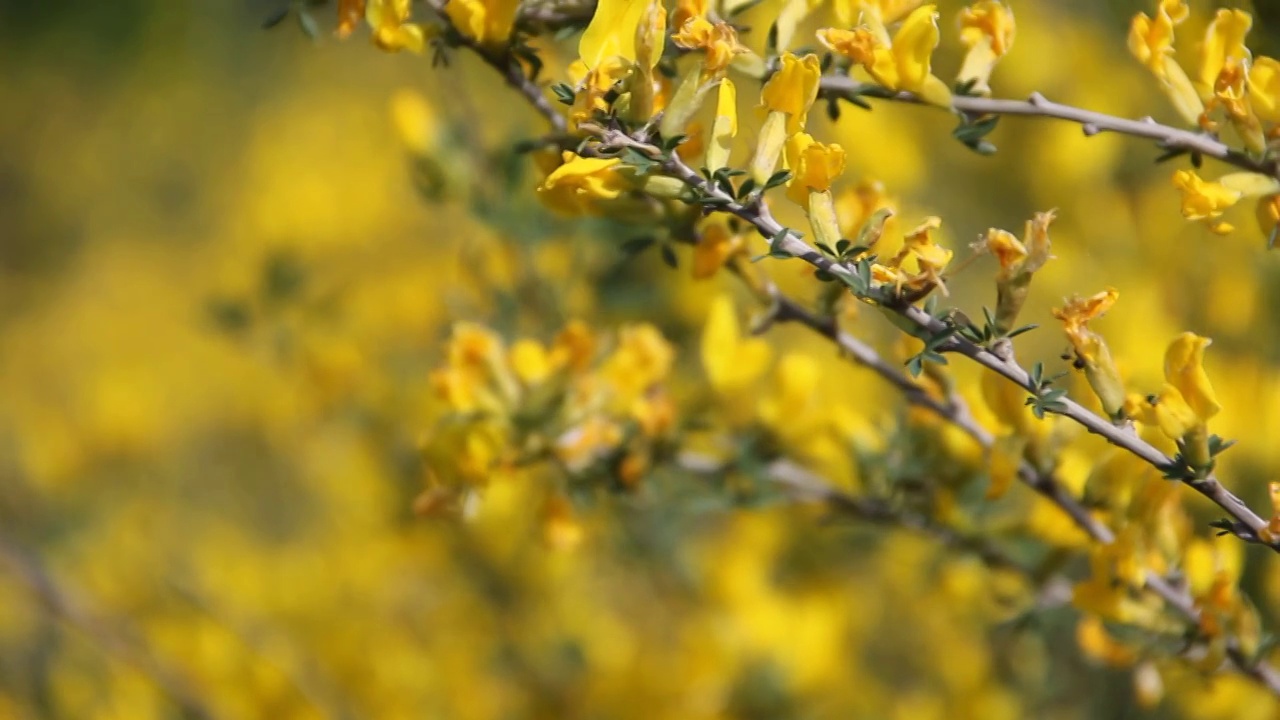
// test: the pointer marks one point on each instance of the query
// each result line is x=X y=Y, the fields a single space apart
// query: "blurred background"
x=226 y=272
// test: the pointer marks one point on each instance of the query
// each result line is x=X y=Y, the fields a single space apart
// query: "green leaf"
x=669 y=257
x=971 y=132
x=1021 y=330
x=276 y=17
x=775 y=242
x=1218 y=446
x=915 y=365
x=563 y=93
x=779 y=178
x=1037 y=375
x=1171 y=154
x=637 y=245
x=308 y=23
x=641 y=162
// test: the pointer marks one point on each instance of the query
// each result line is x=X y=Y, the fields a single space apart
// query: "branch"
x=507 y=65
x=63 y=605
x=1249 y=525
x=757 y=214
x=806 y=485
x=953 y=410
x=1092 y=123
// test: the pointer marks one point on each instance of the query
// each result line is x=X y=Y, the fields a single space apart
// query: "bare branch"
x=1092 y=123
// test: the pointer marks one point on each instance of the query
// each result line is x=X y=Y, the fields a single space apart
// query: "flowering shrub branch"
x=626 y=143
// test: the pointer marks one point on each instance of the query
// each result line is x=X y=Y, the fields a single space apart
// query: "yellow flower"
x=587 y=442
x=612 y=31
x=732 y=362
x=575 y=186
x=1184 y=369
x=787 y=97
x=790 y=409
x=1077 y=314
x=858 y=204
x=594 y=85
x=531 y=361
x=391 y=30
x=724 y=127
x=931 y=259
x=987 y=29
x=793 y=89
x=350 y=13
x=686 y=10
x=644 y=87
x=1186 y=403
x=642 y=359
x=1015 y=257
x=1097 y=643
x=1273 y=525
x=716 y=244
x=1018 y=263
x=904 y=63
x=814 y=166
x=1167 y=411
x=878 y=12
x=574 y=346
x=1264 y=89
x=1008 y=250
x=1268 y=214
x=718 y=41
x=415 y=121
x=1091 y=350
x=1151 y=42
x=1223 y=46
x=489 y=22
x=1007 y=402
x=1205 y=200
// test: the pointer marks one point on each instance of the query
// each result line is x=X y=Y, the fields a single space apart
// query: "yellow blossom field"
x=759 y=359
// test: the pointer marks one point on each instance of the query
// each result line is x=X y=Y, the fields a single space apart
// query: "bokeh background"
x=224 y=283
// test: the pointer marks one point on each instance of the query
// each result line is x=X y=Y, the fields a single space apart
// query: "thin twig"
x=806 y=485
x=508 y=66
x=69 y=608
x=1092 y=123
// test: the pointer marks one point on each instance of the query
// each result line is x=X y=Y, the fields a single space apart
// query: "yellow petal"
x=725 y=126
x=988 y=22
x=612 y=31
x=415 y=121
x=731 y=362
x=1184 y=369
x=913 y=47
x=1171 y=414
x=1201 y=199
x=1223 y=43
x=530 y=361
x=793 y=89
x=1264 y=89
x=1250 y=184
